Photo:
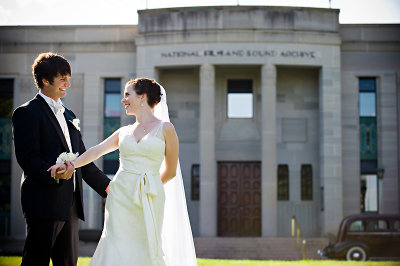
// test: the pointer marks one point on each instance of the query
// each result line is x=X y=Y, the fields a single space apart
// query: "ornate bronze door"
x=239 y=199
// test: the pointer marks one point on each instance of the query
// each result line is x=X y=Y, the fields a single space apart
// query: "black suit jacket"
x=38 y=141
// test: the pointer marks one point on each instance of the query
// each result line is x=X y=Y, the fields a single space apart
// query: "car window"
x=357 y=226
x=377 y=226
x=396 y=226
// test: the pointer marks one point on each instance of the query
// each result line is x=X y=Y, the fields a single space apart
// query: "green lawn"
x=84 y=261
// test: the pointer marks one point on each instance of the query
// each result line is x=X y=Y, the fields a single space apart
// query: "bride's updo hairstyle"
x=148 y=86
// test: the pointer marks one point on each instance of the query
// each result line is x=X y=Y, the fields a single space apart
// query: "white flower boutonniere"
x=76 y=123
x=66 y=157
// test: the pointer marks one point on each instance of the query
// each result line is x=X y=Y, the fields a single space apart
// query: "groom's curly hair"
x=149 y=87
x=48 y=66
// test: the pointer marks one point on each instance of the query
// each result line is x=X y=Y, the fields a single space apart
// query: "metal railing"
x=296 y=231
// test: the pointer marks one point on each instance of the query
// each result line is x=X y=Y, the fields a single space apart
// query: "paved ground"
x=11 y=247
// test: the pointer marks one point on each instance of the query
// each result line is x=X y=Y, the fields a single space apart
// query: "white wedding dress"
x=135 y=204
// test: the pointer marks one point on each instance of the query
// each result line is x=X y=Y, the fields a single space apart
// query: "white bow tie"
x=58 y=106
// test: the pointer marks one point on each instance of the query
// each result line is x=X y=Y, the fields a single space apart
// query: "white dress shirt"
x=61 y=120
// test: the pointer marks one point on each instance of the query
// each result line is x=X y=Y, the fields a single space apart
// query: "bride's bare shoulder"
x=167 y=126
x=168 y=129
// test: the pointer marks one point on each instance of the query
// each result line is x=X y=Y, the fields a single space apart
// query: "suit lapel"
x=49 y=113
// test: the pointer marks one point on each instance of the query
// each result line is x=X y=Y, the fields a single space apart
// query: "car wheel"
x=356 y=253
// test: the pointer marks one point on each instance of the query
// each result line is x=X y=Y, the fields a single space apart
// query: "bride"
x=146 y=220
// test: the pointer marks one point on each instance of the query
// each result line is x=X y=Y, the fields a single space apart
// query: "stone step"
x=265 y=248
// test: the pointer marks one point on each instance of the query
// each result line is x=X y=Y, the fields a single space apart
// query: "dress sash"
x=144 y=192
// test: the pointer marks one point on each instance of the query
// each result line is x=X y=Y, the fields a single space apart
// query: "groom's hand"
x=68 y=171
x=64 y=171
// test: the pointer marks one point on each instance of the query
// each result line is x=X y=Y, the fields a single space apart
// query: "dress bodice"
x=146 y=154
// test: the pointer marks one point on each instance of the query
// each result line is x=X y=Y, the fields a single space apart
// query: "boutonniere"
x=76 y=122
x=67 y=157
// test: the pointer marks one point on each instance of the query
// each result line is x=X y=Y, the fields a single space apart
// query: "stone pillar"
x=387 y=106
x=330 y=148
x=351 y=144
x=148 y=72
x=143 y=68
x=23 y=92
x=208 y=171
x=268 y=151
x=16 y=225
x=398 y=136
x=92 y=133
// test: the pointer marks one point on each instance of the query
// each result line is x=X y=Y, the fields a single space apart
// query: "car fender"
x=342 y=247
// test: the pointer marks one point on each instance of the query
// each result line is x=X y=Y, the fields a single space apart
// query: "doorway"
x=239 y=199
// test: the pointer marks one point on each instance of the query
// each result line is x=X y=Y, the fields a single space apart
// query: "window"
x=195 y=182
x=283 y=182
x=240 y=98
x=306 y=182
x=357 y=226
x=6 y=108
x=377 y=226
x=369 y=193
x=112 y=114
x=368 y=144
x=396 y=226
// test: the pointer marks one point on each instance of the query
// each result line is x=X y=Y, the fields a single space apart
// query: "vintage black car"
x=366 y=236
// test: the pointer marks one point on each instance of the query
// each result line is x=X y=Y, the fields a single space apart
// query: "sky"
x=124 y=12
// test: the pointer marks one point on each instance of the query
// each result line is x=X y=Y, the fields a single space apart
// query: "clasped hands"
x=62 y=170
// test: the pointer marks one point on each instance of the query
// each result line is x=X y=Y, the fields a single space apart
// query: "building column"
x=143 y=68
x=268 y=151
x=148 y=72
x=92 y=134
x=208 y=172
x=16 y=225
x=351 y=144
x=23 y=92
x=330 y=148
x=387 y=107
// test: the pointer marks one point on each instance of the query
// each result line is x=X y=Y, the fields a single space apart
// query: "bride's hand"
x=59 y=167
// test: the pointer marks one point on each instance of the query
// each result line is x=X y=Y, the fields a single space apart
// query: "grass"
x=84 y=261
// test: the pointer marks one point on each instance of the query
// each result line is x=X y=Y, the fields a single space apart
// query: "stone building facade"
x=280 y=111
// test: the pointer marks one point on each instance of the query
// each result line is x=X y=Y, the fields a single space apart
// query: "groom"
x=42 y=130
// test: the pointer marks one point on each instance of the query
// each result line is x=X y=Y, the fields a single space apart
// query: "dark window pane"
x=5 y=187
x=306 y=182
x=368 y=149
x=357 y=226
x=396 y=226
x=6 y=108
x=240 y=86
x=367 y=104
x=6 y=97
x=195 y=182
x=110 y=126
x=5 y=138
x=110 y=167
x=113 y=85
x=283 y=182
x=367 y=84
x=112 y=121
x=368 y=167
x=377 y=226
